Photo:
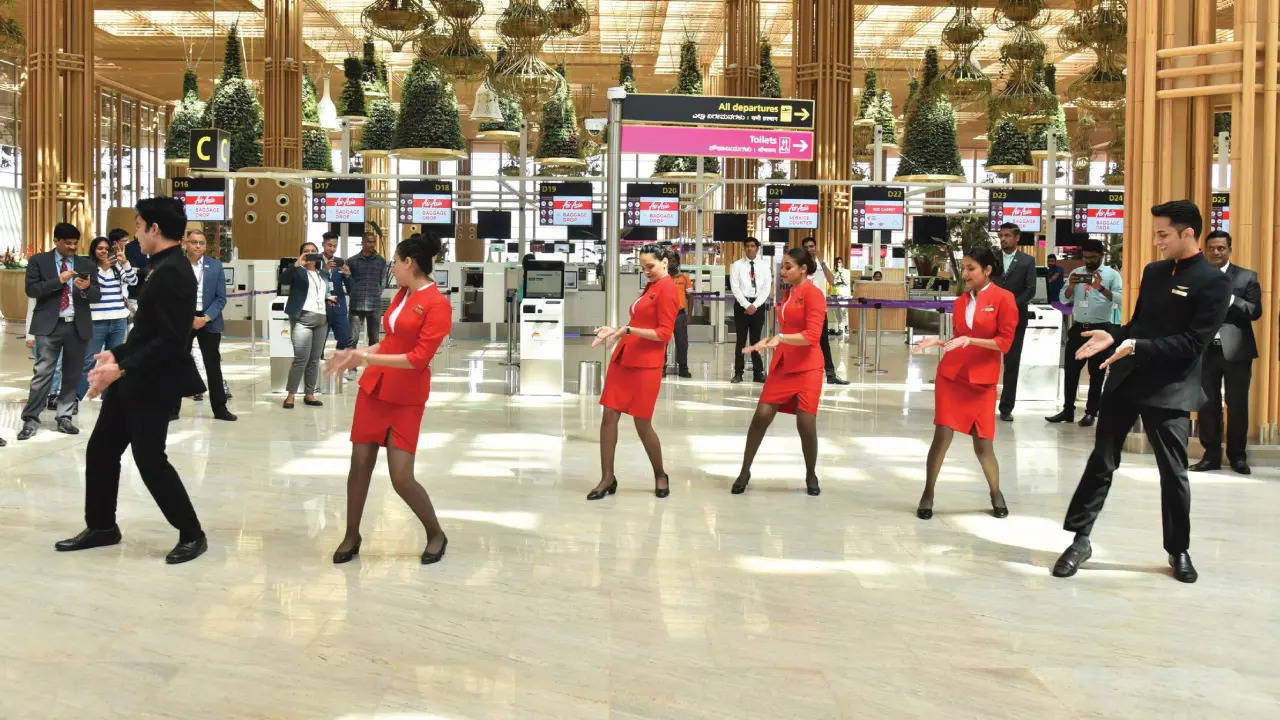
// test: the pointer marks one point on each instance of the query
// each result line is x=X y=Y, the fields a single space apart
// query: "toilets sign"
x=761 y=128
x=769 y=113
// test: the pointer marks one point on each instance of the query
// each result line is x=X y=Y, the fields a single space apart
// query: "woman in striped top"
x=110 y=314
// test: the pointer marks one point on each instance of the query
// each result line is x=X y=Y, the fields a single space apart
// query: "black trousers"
x=1167 y=430
x=744 y=325
x=681 y=337
x=141 y=422
x=1012 y=361
x=210 y=343
x=1219 y=371
x=826 y=348
x=1071 y=381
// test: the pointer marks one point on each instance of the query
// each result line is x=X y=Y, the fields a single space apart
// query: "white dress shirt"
x=391 y=321
x=819 y=278
x=971 y=310
x=197 y=267
x=740 y=283
x=315 y=293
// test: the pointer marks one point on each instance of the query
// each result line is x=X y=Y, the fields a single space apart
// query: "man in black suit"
x=143 y=379
x=1018 y=276
x=1154 y=374
x=1229 y=359
x=63 y=285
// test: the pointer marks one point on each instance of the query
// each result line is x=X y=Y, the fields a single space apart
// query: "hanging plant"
x=428 y=110
x=379 y=131
x=186 y=118
x=351 y=102
x=1040 y=133
x=235 y=109
x=569 y=17
x=459 y=9
x=883 y=115
x=558 y=137
x=770 y=81
x=1221 y=124
x=627 y=74
x=929 y=147
x=689 y=82
x=869 y=94
x=372 y=79
x=1010 y=150
x=523 y=19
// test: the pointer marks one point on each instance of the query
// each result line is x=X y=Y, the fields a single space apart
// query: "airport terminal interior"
x=575 y=219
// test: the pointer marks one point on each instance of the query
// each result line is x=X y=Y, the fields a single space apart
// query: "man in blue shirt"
x=339 y=278
x=1093 y=292
x=1054 y=279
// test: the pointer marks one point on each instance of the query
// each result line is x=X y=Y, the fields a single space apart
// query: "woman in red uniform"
x=635 y=371
x=986 y=318
x=794 y=384
x=393 y=392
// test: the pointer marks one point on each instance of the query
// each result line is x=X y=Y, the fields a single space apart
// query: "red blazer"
x=996 y=319
x=655 y=310
x=422 y=325
x=802 y=311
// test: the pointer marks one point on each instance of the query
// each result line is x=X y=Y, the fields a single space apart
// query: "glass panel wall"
x=130 y=156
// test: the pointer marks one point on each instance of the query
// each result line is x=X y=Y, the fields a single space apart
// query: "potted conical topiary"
x=317 y=152
x=234 y=108
x=1009 y=150
x=689 y=82
x=771 y=87
x=866 y=101
x=1040 y=134
x=882 y=112
x=373 y=77
x=379 y=132
x=929 y=148
x=188 y=117
x=427 y=127
x=351 y=101
x=559 y=147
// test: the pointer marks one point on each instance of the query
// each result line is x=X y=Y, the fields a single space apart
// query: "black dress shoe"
x=684 y=373
x=924 y=513
x=28 y=430
x=662 y=492
x=187 y=551
x=429 y=558
x=1183 y=570
x=1205 y=465
x=1070 y=560
x=1088 y=420
x=198 y=397
x=225 y=415
x=758 y=377
x=834 y=379
x=1006 y=417
x=609 y=489
x=740 y=484
x=1240 y=466
x=343 y=556
x=89 y=538
x=312 y=403
x=66 y=426
x=1064 y=416
x=736 y=378
x=811 y=485
x=3 y=442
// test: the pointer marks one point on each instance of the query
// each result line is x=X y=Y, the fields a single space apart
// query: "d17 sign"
x=1020 y=207
x=652 y=205
x=337 y=200
x=428 y=202
x=1097 y=212
x=567 y=203
x=205 y=199
x=878 y=208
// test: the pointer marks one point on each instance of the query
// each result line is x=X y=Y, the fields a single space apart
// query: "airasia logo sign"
x=432 y=202
x=346 y=201
x=573 y=204
x=1023 y=211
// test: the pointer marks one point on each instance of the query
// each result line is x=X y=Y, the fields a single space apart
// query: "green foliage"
x=379 y=131
x=1221 y=124
x=558 y=137
x=913 y=90
x=869 y=94
x=1008 y=145
x=234 y=108
x=428 y=110
x=187 y=117
x=310 y=102
x=317 y=153
x=351 y=103
x=627 y=74
x=1040 y=134
x=770 y=81
x=689 y=82
x=882 y=112
x=929 y=146
x=232 y=59
x=373 y=73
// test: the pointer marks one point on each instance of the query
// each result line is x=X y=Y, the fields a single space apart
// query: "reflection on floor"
x=768 y=605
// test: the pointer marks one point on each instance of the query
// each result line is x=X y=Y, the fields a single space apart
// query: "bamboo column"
x=822 y=67
x=378 y=162
x=742 y=79
x=58 y=108
x=282 y=121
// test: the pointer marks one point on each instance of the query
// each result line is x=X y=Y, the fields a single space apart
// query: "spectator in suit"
x=63 y=286
x=340 y=281
x=207 y=324
x=1018 y=276
x=1229 y=361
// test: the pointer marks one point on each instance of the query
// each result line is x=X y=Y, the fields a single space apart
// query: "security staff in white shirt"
x=823 y=278
x=751 y=282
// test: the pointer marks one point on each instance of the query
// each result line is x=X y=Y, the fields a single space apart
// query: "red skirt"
x=374 y=418
x=792 y=391
x=631 y=390
x=965 y=407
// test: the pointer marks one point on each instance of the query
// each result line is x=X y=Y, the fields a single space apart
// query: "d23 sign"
x=1020 y=207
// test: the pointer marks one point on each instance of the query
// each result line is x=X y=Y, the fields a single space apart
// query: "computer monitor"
x=544 y=279
x=779 y=235
x=729 y=227
x=493 y=224
x=594 y=231
x=927 y=229
x=643 y=234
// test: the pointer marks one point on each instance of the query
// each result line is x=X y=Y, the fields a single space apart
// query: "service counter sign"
x=652 y=205
x=426 y=202
x=1221 y=212
x=878 y=208
x=791 y=207
x=205 y=199
x=566 y=203
x=1020 y=207
x=1099 y=212
x=337 y=200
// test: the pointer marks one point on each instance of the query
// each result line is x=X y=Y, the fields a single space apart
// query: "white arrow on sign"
x=801 y=145
x=802 y=113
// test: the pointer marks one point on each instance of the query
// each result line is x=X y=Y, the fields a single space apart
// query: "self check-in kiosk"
x=542 y=329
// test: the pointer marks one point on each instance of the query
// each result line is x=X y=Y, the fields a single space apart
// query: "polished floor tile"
x=771 y=604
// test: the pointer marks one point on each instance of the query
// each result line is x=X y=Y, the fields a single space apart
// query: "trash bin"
x=589 y=377
x=1041 y=352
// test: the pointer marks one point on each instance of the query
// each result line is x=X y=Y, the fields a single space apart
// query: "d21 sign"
x=718 y=142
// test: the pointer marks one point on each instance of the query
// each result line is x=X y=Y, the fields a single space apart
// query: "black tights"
x=983 y=448
x=400 y=464
x=806 y=426
x=609 y=447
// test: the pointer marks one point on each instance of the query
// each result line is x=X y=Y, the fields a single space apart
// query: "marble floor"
x=772 y=604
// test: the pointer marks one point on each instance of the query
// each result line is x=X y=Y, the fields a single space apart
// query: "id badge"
x=1084 y=304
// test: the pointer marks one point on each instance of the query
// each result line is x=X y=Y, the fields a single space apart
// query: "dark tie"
x=65 y=302
x=753 y=275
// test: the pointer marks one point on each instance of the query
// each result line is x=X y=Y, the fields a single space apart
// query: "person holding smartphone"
x=309 y=298
x=110 y=316
x=1094 y=292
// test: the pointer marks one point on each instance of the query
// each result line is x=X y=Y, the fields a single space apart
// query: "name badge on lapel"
x=1179 y=290
x=989 y=308
x=418 y=309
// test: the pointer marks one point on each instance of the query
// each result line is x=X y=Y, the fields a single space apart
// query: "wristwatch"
x=628 y=330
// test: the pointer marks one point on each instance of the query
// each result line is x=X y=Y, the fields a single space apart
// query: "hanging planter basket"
x=1019 y=11
x=569 y=17
x=429 y=154
x=1008 y=169
x=1042 y=155
x=523 y=20
x=459 y=9
x=686 y=176
x=497 y=135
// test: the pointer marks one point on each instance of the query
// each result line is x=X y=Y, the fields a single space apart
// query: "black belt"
x=1092 y=326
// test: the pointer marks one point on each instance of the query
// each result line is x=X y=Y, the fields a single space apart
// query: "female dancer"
x=393 y=391
x=795 y=374
x=635 y=371
x=986 y=318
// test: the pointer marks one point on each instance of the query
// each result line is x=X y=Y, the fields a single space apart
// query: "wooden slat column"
x=1178 y=75
x=282 y=109
x=822 y=32
x=741 y=78
x=58 y=107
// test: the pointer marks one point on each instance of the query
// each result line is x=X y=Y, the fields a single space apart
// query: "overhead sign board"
x=427 y=202
x=878 y=208
x=564 y=203
x=772 y=113
x=337 y=200
x=1221 y=212
x=791 y=207
x=1097 y=212
x=205 y=199
x=210 y=150
x=652 y=205
x=1020 y=207
x=718 y=142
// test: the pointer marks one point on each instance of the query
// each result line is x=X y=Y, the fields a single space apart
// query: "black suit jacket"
x=1019 y=278
x=1238 y=343
x=156 y=357
x=1180 y=306
x=44 y=285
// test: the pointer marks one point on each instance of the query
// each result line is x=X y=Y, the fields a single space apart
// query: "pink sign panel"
x=718 y=142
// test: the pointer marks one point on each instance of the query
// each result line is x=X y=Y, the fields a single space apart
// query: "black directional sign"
x=778 y=113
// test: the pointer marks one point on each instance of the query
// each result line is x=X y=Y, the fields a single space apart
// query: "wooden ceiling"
x=147 y=44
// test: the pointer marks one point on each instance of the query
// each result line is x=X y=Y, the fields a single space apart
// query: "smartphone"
x=83 y=276
x=316 y=258
x=199 y=313
x=337 y=262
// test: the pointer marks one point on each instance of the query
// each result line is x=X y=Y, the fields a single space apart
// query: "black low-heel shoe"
x=811 y=485
x=1001 y=510
x=344 y=556
x=662 y=492
x=609 y=489
x=429 y=558
x=740 y=485
x=924 y=513
x=187 y=551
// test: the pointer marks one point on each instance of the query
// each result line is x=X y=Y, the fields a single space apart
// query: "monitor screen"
x=779 y=235
x=928 y=229
x=594 y=231
x=544 y=280
x=493 y=224
x=646 y=234
x=729 y=227
x=441 y=278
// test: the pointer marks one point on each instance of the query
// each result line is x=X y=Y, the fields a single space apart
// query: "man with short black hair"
x=367 y=276
x=207 y=325
x=1018 y=276
x=1093 y=292
x=1229 y=362
x=340 y=280
x=1154 y=374
x=823 y=278
x=142 y=380
x=751 y=284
